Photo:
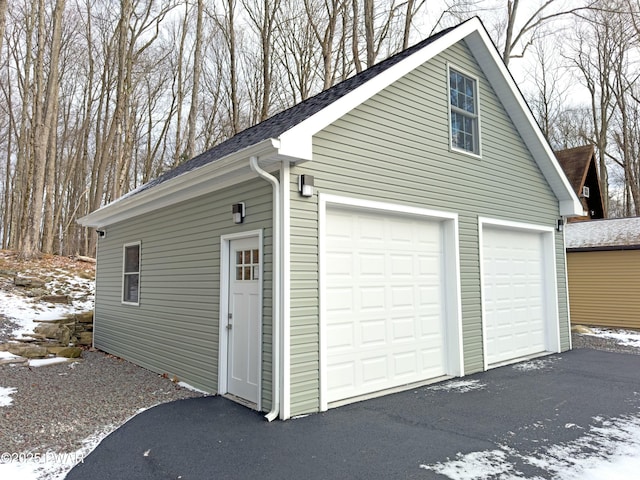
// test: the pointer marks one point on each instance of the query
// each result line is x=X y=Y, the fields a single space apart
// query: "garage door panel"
x=373 y=333
x=396 y=303
x=514 y=301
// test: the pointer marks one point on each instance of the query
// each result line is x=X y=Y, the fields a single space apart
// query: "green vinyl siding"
x=174 y=330
x=395 y=148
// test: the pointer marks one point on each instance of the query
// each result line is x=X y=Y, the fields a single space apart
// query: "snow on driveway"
x=610 y=450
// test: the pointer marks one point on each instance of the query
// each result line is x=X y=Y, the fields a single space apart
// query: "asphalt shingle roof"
x=276 y=125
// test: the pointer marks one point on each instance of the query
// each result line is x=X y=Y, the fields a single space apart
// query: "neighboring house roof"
x=288 y=135
x=606 y=234
x=579 y=165
x=575 y=163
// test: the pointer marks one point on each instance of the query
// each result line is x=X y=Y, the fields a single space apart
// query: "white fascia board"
x=214 y=176
x=297 y=141
x=502 y=82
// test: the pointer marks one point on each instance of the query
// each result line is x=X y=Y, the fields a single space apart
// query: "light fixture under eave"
x=560 y=225
x=238 y=211
x=305 y=185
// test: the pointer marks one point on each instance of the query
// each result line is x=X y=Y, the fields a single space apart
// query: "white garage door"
x=514 y=294
x=384 y=305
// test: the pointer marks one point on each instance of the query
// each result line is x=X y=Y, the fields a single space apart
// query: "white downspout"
x=276 y=289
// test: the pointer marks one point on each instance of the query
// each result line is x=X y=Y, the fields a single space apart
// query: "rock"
x=85 y=317
x=13 y=361
x=67 y=352
x=28 y=351
x=37 y=292
x=581 y=329
x=56 y=299
x=60 y=333
x=31 y=282
x=85 y=338
x=82 y=258
x=49 y=331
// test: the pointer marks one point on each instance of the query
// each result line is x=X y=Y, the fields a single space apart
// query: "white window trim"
x=473 y=77
x=124 y=249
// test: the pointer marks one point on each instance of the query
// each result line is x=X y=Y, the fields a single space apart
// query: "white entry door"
x=514 y=278
x=243 y=323
x=384 y=305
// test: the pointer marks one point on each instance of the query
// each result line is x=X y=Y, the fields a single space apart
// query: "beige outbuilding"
x=603 y=261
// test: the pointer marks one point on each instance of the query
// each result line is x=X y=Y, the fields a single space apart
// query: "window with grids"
x=131 y=274
x=247 y=264
x=463 y=99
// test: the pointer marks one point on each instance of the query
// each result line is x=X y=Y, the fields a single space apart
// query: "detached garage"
x=375 y=237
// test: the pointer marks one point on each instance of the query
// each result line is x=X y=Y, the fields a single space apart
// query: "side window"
x=131 y=274
x=463 y=104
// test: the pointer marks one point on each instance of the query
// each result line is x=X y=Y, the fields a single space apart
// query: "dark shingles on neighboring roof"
x=575 y=163
x=276 y=125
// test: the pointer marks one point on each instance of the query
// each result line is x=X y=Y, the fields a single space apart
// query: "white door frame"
x=550 y=292
x=451 y=267
x=223 y=335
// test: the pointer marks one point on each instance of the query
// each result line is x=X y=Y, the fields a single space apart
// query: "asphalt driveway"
x=530 y=406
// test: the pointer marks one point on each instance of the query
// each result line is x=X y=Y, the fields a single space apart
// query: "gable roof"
x=575 y=163
x=606 y=234
x=288 y=135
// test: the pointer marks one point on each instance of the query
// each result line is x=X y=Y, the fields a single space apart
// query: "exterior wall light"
x=238 y=211
x=560 y=225
x=305 y=185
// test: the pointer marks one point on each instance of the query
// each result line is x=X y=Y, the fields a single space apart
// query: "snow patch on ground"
x=607 y=451
x=5 y=396
x=629 y=338
x=459 y=386
x=534 y=364
x=43 y=362
x=7 y=355
x=192 y=388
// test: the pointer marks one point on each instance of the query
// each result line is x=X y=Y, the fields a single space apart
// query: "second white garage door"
x=384 y=301
x=514 y=278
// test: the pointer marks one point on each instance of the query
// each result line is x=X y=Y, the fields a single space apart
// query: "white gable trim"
x=505 y=87
x=297 y=141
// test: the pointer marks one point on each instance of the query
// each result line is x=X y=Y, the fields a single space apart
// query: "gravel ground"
x=600 y=343
x=56 y=407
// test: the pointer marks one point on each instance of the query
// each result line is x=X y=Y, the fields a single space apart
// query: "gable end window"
x=131 y=274
x=463 y=102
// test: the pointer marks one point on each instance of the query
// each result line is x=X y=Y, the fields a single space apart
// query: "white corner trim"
x=452 y=291
x=285 y=223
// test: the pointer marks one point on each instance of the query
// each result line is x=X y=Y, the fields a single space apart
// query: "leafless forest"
x=100 y=96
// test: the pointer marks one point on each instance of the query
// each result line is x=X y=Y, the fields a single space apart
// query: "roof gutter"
x=276 y=290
